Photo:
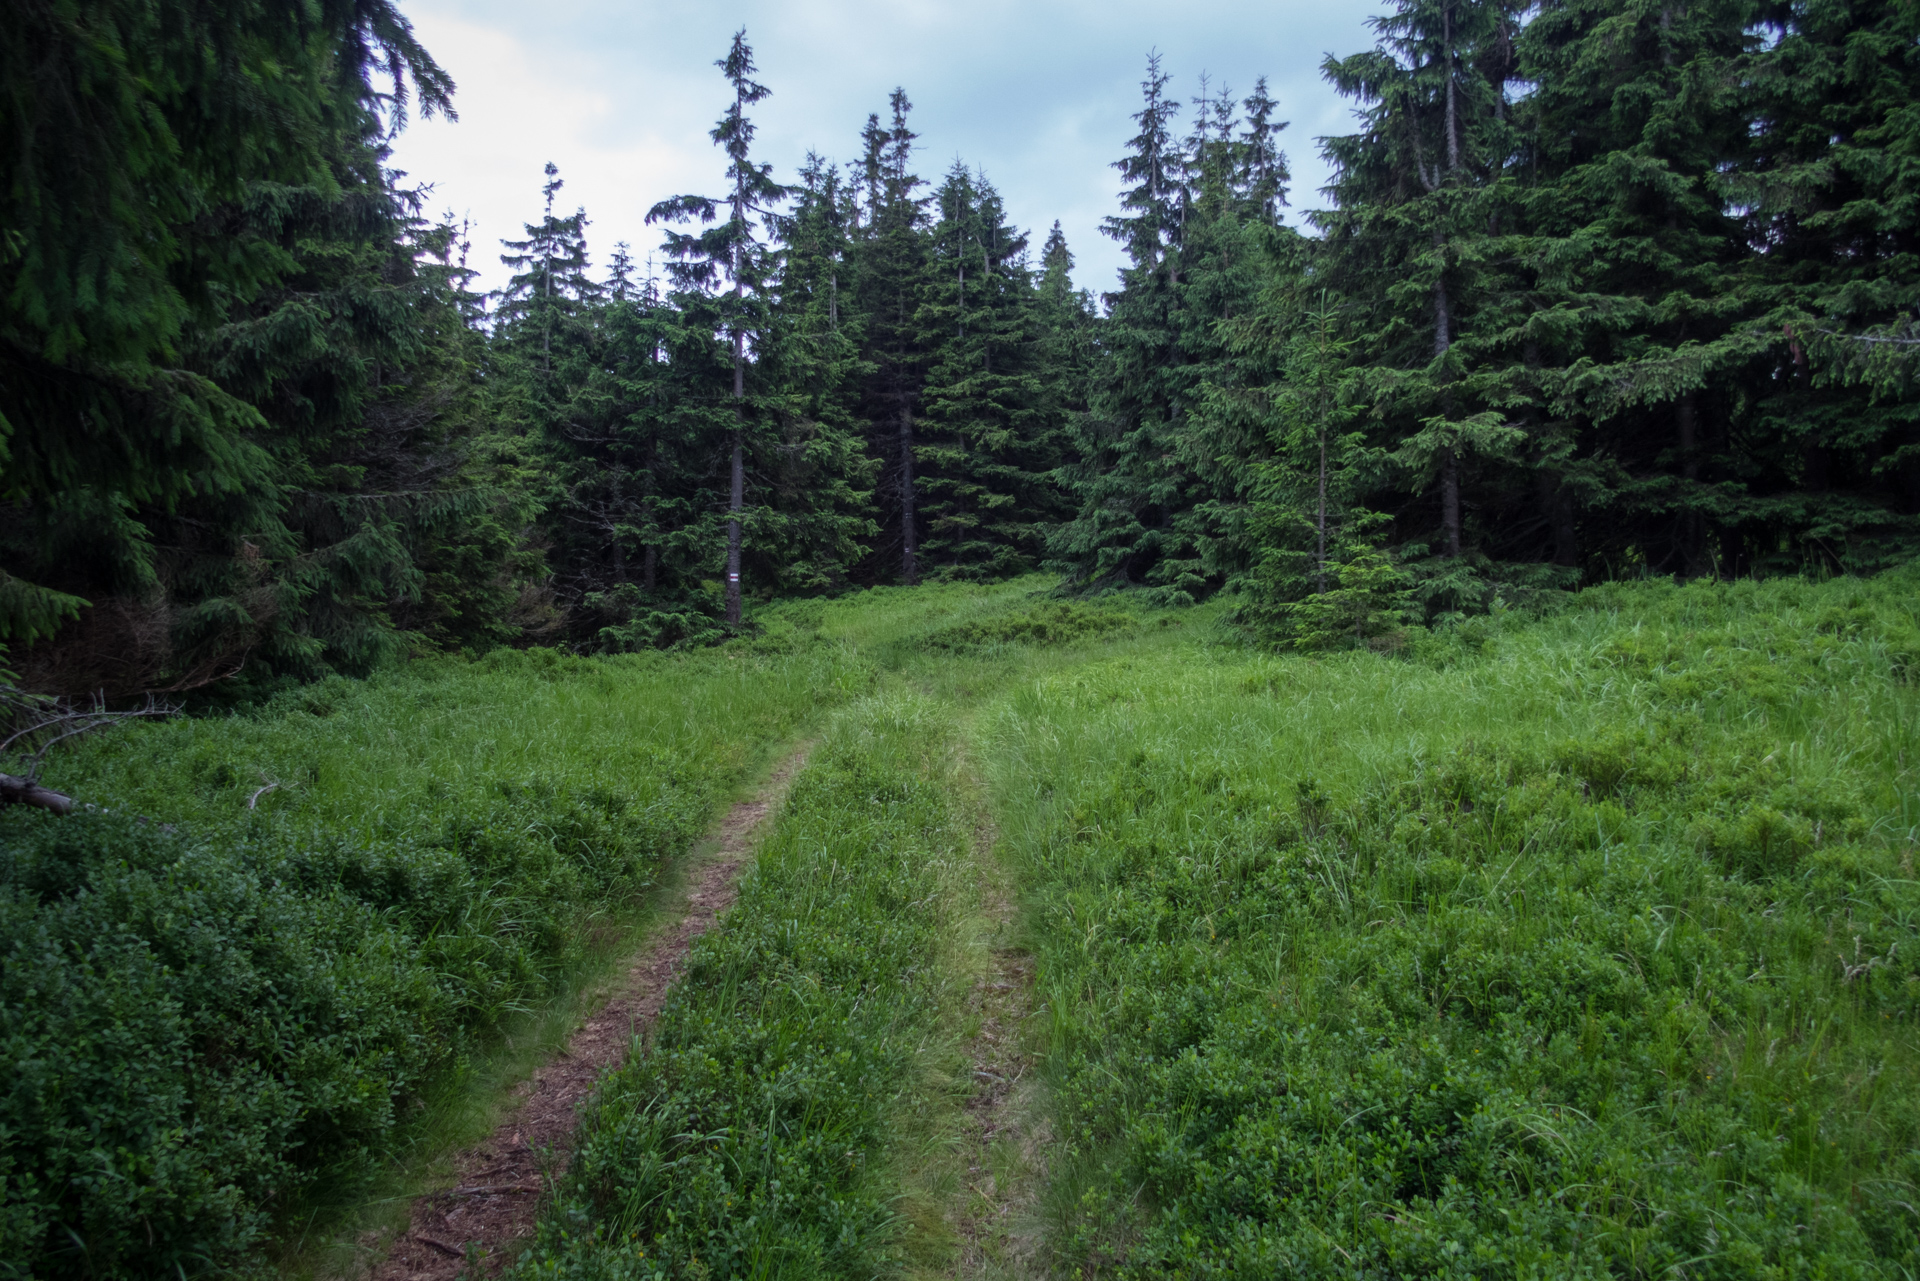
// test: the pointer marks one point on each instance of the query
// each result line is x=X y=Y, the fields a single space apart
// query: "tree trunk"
x=1686 y=421
x=650 y=554
x=1453 y=112
x=1449 y=460
x=1320 y=518
x=1733 y=553
x=19 y=791
x=1557 y=512
x=1450 y=500
x=909 y=537
x=738 y=497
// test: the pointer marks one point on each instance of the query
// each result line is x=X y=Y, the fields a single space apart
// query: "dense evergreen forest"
x=1603 y=288
x=989 y=886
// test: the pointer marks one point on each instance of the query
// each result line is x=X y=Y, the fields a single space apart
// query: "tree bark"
x=738 y=497
x=650 y=554
x=1557 y=512
x=1686 y=420
x=1450 y=500
x=1449 y=460
x=1320 y=517
x=19 y=791
x=1453 y=111
x=734 y=504
x=909 y=537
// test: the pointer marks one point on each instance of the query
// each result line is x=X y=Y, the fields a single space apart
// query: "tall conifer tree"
x=893 y=265
x=550 y=281
x=731 y=255
x=1409 y=238
x=992 y=434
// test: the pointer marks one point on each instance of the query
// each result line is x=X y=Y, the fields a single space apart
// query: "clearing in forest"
x=1096 y=942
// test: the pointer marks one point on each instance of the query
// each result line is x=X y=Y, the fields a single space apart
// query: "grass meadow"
x=279 y=949
x=1582 y=947
x=1535 y=947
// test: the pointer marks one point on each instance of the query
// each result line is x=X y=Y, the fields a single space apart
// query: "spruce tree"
x=1415 y=194
x=891 y=257
x=1632 y=260
x=992 y=436
x=1830 y=184
x=550 y=283
x=1319 y=576
x=732 y=256
x=1162 y=492
x=1126 y=482
x=135 y=133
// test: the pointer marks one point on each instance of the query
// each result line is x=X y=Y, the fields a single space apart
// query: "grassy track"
x=1574 y=947
x=211 y=1032
x=743 y=1141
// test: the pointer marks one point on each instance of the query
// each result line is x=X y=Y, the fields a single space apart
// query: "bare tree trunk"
x=909 y=537
x=1320 y=519
x=1450 y=500
x=1453 y=111
x=738 y=497
x=1817 y=459
x=1557 y=512
x=21 y=791
x=650 y=554
x=1686 y=419
x=1449 y=460
x=1566 y=535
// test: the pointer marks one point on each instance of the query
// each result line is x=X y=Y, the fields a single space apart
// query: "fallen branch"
x=24 y=791
x=31 y=725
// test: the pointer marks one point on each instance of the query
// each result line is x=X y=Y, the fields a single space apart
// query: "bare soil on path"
x=1004 y=1139
x=498 y=1183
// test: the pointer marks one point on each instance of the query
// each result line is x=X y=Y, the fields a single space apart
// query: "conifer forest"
x=1380 y=742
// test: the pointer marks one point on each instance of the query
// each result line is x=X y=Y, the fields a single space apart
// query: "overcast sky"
x=1037 y=93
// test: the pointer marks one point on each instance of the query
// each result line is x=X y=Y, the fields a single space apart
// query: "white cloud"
x=1036 y=92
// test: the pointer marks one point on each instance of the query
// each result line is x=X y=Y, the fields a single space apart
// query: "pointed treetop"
x=731 y=249
x=1263 y=166
x=620 y=273
x=738 y=67
x=1055 y=252
x=1152 y=219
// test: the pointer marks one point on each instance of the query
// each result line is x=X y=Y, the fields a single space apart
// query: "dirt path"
x=497 y=1184
x=1003 y=1140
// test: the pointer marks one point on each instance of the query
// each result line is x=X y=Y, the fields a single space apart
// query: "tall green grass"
x=743 y=1141
x=273 y=937
x=1578 y=948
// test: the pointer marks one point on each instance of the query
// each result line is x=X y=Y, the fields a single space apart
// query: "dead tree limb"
x=21 y=791
x=30 y=726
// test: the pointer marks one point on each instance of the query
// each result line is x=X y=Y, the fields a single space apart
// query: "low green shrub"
x=741 y=1142
x=1060 y=623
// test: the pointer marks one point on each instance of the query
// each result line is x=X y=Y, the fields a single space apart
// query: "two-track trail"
x=497 y=1183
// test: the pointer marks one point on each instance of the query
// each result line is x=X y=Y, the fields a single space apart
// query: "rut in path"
x=1004 y=1139
x=497 y=1183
